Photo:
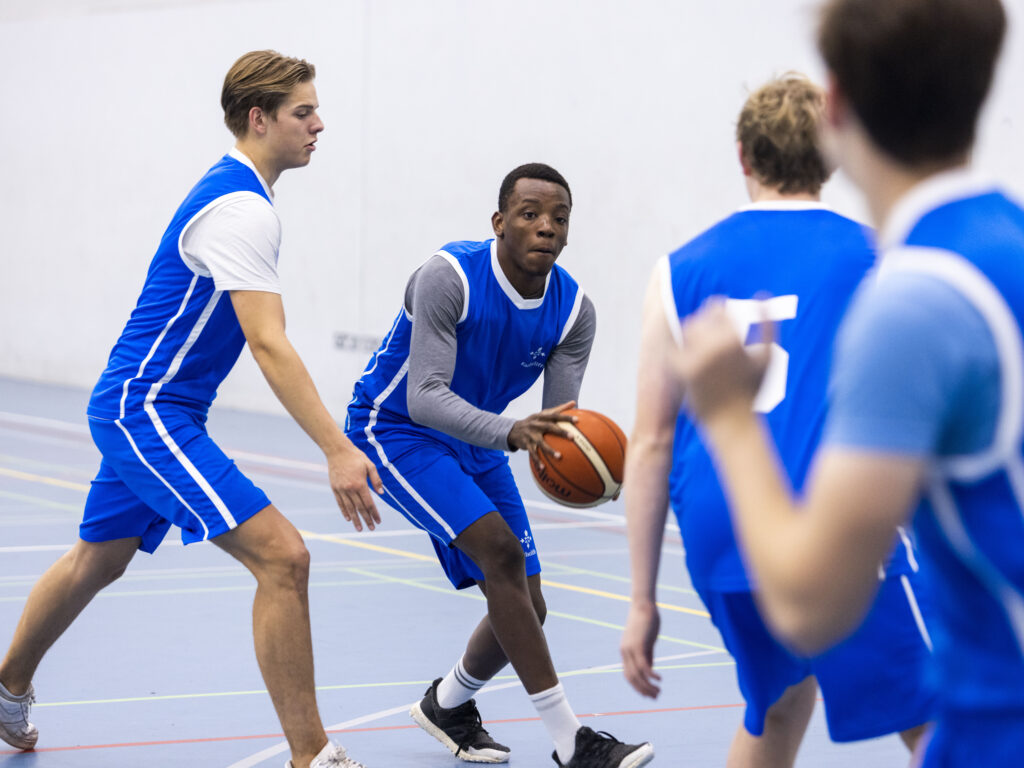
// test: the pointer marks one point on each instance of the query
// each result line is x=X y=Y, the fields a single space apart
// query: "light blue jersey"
x=954 y=252
x=183 y=337
x=809 y=260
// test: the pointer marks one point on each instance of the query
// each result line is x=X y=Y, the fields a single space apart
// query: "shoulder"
x=912 y=314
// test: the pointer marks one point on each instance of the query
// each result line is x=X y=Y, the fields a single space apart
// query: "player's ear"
x=498 y=224
x=743 y=163
x=257 y=121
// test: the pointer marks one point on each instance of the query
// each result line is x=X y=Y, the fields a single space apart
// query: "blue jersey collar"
x=935 y=191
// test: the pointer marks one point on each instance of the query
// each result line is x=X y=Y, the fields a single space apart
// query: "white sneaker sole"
x=488 y=756
x=642 y=756
x=19 y=741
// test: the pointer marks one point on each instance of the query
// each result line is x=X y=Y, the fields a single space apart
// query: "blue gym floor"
x=159 y=670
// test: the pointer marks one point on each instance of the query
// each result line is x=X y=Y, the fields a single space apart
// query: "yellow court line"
x=624 y=598
x=366 y=545
x=545 y=582
x=33 y=478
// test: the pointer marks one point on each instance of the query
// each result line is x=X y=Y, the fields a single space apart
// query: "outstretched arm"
x=261 y=315
x=648 y=462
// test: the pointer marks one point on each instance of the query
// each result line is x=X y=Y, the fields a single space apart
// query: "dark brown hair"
x=915 y=72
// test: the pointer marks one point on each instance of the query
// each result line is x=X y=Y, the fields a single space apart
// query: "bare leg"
x=269 y=546
x=784 y=727
x=57 y=599
x=484 y=657
x=511 y=614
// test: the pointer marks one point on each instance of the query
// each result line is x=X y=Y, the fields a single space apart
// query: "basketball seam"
x=595 y=459
x=613 y=427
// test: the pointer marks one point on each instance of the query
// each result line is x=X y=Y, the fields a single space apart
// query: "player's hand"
x=348 y=472
x=715 y=369
x=528 y=434
x=637 y=650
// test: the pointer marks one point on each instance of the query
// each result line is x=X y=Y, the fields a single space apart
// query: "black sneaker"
x=602 y=750
x=459 y=728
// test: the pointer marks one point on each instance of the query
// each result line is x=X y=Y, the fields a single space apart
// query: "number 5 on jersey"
x=745 y=313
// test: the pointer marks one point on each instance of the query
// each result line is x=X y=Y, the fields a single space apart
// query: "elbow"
x=802 y=627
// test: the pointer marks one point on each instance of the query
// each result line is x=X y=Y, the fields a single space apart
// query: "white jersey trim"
x=785 y=205
x=465 y=283
x=382 y=455
x=663 y=274
x=156 y=344
x=509 y=290
x=933 y=192
x=243 y=158
x=948 y=517
x=970 y=282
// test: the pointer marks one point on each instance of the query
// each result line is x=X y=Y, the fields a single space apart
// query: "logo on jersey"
x=536 y=359
x=527 y=542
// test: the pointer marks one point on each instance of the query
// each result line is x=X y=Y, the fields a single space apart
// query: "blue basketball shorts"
x=991 y=738
x=873 y=683
x=443 y=486
x=163 y=470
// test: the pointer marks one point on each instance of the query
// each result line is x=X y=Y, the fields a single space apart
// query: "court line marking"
x=348 y=725
x=40 y=501
x=44 y=479
x=410 y=726
x=544 y=581
x=512 y=678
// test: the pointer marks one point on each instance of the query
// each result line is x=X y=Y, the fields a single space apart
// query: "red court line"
x=252 y=737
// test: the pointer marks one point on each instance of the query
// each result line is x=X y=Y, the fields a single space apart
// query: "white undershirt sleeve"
x=236 y=242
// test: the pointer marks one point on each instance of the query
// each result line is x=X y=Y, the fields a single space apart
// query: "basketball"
x=590 y=470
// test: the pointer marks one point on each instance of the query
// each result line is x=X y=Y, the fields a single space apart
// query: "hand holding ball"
x=593 y=457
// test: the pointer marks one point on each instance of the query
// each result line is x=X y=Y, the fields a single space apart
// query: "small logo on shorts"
x=527 y=542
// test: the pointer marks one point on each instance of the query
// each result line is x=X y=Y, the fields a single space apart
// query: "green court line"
x=559 y=614
x=572 y=569
x=349 y=686
x=40 y=501
x=373 y=580
x=84 y=474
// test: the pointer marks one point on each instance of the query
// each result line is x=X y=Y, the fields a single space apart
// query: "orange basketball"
x=590 y=470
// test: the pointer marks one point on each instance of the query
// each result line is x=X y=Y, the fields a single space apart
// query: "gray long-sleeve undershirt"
x=434 y=297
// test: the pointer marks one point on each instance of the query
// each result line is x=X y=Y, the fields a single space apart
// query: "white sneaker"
x=331 y=756
x=15 y=728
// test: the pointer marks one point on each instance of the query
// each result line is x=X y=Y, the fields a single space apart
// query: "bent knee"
x=286 y=565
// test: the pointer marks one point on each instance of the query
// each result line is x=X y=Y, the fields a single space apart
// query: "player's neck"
x=267 y=169
x=885 y=182
x=761 y=193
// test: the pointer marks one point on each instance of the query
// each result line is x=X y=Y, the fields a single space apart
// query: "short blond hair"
x=778 y=131
x=260 y=79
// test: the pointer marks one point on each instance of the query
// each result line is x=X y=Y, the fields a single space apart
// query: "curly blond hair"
x=778 y=132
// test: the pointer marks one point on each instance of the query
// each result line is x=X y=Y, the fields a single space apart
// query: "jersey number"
x=748 y=312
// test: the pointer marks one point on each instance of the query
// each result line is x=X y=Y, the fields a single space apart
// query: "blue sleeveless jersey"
x=970 y=524
x=502 y=341
x=183 y=337
x=808 y=260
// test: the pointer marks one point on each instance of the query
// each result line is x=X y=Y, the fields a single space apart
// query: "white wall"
x=111 y=113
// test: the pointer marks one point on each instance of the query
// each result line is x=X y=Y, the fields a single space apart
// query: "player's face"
x=292 y=132
x=534 y=229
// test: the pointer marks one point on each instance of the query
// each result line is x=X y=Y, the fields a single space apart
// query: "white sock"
x=558 y=717
x=457 y=687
